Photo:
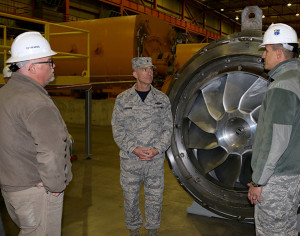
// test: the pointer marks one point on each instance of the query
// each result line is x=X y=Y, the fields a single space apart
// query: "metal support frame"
x=88 y=122
x=67 y=13
x=48 y=32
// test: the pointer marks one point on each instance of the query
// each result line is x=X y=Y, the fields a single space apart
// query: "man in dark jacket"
x=275 y=186
x=35 y=163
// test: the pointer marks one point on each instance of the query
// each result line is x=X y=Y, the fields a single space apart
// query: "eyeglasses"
x=42 y=62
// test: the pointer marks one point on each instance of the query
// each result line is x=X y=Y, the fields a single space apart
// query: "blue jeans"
x=35 y=211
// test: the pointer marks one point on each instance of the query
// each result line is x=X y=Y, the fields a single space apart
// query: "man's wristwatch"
x=255 y=185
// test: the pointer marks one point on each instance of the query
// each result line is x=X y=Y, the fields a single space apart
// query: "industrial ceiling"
x=274 y=11
x=227 y=11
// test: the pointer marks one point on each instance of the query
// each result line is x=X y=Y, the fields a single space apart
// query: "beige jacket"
x=34 y=140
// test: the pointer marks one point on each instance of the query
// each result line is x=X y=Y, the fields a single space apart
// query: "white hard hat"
x=6 y=72
x=280 y=34
x=28 y=46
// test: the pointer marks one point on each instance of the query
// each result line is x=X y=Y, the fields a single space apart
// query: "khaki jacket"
x=34 y=138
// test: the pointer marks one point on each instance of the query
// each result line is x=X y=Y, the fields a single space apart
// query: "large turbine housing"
x=215 y=100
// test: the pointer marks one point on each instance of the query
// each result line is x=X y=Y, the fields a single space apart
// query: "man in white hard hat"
x=275 y=186
x=35 y=165
x=142 y=128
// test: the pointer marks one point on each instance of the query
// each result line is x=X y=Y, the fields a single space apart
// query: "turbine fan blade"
x=254 y=114
x=246 y=170
x=254 y=96
x=197 y=138
x=210 y=159
x=237 y=84
x=229 y=171
x=213 y=96
x=201 y=117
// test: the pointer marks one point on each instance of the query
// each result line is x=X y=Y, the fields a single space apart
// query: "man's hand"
x=254 y=194
x=145 y=154
x=39 y=185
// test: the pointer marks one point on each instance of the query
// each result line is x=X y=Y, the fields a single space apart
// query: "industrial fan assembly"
x=216 y=97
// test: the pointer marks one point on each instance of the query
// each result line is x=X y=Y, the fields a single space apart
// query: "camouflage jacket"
x=142 y=124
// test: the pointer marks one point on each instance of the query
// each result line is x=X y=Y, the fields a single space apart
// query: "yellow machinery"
x=98 y=52
x=183 y=53
x=113 y=43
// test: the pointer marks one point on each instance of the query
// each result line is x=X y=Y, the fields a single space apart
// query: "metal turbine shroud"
x=215 y=100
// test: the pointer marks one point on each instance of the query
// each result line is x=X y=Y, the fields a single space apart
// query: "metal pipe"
x=114 y=82
x=5 y=43
x=88 y=70
x=66 y=33
x=88 y=118
x=83 y=86
x=109 y=76
x=69 y=55
x=3 y=46
x=67 y=6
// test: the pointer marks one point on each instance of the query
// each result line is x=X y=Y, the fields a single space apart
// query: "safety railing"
x=50 y=30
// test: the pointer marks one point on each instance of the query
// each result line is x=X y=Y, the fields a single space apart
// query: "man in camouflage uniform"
x=275 y=186
x=142 y=128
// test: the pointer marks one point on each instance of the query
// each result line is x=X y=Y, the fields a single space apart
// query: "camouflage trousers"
x=277 y=213
x=133 y=174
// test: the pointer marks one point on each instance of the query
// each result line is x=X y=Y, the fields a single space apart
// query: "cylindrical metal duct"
x=215 y=100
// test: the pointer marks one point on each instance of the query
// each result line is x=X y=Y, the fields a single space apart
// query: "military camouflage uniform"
x=142 y=124
x=277 y=213
x=276 y=158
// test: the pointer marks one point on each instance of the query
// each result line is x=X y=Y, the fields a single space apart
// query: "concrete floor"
x=93 y=203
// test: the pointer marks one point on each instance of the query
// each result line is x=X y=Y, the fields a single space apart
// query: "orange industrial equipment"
x=183 y=53
x=113 y=43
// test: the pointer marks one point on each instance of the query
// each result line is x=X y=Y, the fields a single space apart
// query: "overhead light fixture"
x=289 y=4
x=221 y=9
x=297 y=14
x=237 y=18
x=263 y=16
